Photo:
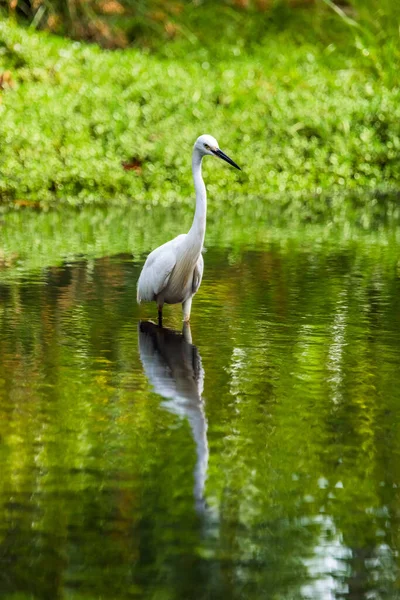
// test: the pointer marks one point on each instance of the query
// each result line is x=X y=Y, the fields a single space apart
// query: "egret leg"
x=160 y=307
x=187 y=307
x=187 y=334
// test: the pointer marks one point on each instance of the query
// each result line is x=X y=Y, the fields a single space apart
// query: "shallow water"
x=255 y=455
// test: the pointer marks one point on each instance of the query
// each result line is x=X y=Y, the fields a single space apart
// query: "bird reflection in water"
x=173 y=366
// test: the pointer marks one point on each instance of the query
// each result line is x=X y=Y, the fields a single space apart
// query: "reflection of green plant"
x=300 y=350
x=31 y=241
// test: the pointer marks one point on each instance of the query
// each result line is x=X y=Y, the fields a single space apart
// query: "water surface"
x=255 y=455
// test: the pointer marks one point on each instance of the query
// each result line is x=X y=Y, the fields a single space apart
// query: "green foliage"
x=374 y=35
x=304 y=121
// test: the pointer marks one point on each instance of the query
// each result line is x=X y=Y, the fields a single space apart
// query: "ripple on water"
x=260 y=454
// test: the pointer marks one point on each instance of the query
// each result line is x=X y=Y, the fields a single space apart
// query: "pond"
x=252 y=455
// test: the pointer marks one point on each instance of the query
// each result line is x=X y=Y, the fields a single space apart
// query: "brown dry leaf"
x=27 y=203
x=98 y=27
x=53 y=22
x=134 y=164
x=6 y=260
x=158 y=15
x=6 y=80
x=111 y=7
x=171 y=29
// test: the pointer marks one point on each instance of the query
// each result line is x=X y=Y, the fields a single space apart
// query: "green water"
x=255 y=457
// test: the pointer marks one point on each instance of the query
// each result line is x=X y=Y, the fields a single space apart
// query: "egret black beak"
x=222 y=155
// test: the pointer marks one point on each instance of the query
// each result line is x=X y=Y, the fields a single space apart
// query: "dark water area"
x=253 y=455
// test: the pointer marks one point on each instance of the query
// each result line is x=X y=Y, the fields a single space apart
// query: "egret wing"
x=156 y=271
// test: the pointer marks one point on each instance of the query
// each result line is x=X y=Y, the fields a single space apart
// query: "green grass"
x=308 y=122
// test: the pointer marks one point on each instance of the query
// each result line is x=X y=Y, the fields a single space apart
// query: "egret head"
x=207 y=144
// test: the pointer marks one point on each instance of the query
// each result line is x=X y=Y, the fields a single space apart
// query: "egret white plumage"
x=172 y=273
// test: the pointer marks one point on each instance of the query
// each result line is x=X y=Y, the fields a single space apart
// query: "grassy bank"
x=306 y=121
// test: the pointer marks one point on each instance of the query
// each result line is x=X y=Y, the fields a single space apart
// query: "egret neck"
x=195 y=237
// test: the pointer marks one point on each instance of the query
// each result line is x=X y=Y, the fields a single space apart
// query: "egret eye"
x=206 y=146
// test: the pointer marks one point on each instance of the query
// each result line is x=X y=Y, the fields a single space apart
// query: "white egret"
x=172 y=273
